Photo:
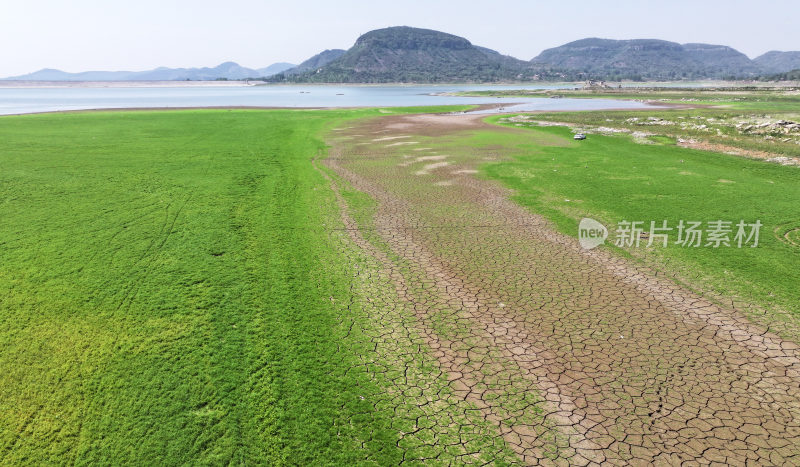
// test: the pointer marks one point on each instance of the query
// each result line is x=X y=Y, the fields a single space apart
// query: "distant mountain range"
x=404 y=54
x=227 y=70
x=412 y=55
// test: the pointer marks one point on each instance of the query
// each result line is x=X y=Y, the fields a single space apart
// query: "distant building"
x=596 y=84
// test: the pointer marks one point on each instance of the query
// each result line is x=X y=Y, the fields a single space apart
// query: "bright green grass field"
x=167 y=293
x=612 y=178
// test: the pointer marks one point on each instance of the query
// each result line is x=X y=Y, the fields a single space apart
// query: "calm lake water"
x=20 y=100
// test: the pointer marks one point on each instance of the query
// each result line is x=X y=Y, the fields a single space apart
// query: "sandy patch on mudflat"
x=389 y=138
x=426 y=170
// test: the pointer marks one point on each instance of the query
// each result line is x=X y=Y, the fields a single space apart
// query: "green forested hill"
x=778 y=62
x=793 y=75
x=405 y=54
x=317 y=61
x=646 y=59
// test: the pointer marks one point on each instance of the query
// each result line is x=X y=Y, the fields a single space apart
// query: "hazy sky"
x=80 y=35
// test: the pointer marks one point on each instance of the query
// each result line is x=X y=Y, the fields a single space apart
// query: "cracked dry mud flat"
x=496 y=327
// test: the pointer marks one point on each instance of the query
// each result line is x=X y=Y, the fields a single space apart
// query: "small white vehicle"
x=579 y=136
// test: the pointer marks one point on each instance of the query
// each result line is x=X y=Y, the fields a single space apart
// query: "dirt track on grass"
x=573 y=357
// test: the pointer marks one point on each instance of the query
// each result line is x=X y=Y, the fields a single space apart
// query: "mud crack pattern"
x=569 y=357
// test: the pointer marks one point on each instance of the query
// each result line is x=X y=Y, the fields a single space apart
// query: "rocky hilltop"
x=405 y=54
